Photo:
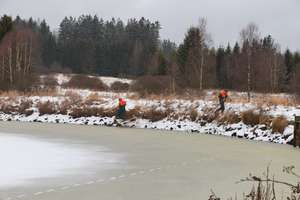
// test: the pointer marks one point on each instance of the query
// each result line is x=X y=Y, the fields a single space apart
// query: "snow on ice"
x=25 y=158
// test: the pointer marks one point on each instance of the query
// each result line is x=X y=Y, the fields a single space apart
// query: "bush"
x=47 y=108
x=85 y=82
x=250 y=117
x=9 y=109
x=24 y=107
x=49 y=82
x=64 y=107
x=279 y=124
x=265 y=119
x=151 y=85
x=230 y=118
x=92 y=98
x=154 y=115
x=74 y=97
x=136 y=112
x=119 y=86
x=87 y=112
x=193 y=114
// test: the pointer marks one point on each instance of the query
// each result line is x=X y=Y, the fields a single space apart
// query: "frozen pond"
x=42 y=161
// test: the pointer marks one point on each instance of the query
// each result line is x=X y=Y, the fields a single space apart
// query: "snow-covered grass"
x=63 y=78
x=187 y=112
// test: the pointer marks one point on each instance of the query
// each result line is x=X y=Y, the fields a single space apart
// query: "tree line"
x=91 y=45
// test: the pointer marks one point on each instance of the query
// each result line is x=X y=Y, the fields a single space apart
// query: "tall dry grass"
x=279 y=124
x=86 y=82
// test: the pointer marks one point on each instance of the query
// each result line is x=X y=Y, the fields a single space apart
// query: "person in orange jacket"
x=223 y=95
x=121 y=110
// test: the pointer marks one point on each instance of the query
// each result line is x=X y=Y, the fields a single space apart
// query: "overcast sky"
x=280 y=18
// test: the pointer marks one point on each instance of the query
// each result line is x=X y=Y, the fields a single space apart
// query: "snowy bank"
x=239 y=130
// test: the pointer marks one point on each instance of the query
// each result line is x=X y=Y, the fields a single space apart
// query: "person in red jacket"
x=222 y=98
x=122 y=110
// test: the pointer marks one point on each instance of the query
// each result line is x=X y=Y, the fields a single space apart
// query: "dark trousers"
x=222 y=105
x=121 y=112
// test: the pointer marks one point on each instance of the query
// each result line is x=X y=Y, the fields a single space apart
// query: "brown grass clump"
x=92 y=98
x=8 y=108
x=154 y=115
x=271 y=100
x=74 y=97
x=43 y=93
x=24 y=107
x=151 y=85
x=191 y=94
x=110 y=112
x=119 y=86
x=86 y=82
x=49 y=81
x=11 y=94
x=229 y=118
x=64 y=107
x=210 y=114
x=250 y=117
x=279 y=124
x=277 y=100
x=265 y=119
x=193 y=114
x=47 y=108
x=136 y=112
x=87 y=112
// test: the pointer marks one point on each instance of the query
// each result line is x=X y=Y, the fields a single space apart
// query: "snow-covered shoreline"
x=186 y=113
x=239 y=130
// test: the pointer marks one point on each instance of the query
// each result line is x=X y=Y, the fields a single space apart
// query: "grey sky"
x=280 y=18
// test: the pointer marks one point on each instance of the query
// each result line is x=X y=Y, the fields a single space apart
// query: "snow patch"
x=26 y=158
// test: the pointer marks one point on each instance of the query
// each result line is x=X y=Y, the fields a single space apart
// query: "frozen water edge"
x=25 y=158
x=239 y=130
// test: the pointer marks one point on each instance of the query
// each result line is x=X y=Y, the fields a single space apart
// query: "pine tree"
x=289 y=66
x=5 y=25
x=48 y=44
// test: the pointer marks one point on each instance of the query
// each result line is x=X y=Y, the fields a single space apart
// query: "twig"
x=255 y=179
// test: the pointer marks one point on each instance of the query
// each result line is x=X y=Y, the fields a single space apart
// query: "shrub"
x=151 y=85
x=11 y=94
x=24 y=107
x=119 y=86
x=210 y=114
x=9 y=109
x=92 y=98
x=250 y=117
x=265 y=119
x=47 y=108
x=64 y=107
x=86 y=112
x=193 y=114
x=279 y=124
x=48 y=92
x=74 y=97
x=85 y=82
x=230 y=118
x=50 y=82
x=154 y=115
x=136 y=112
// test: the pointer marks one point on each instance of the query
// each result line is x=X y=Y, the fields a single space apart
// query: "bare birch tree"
x=249 y=35
x=205 y=40
x=17 y=50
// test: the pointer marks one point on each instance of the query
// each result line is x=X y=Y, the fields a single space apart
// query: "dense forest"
x=91 y=45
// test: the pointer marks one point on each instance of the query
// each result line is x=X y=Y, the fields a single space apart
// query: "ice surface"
x=25 y=158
